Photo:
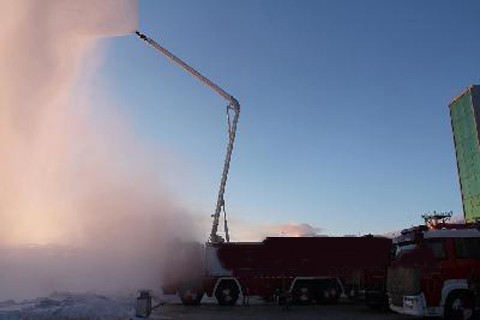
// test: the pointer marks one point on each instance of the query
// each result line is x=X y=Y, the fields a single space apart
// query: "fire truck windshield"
x=400 y=248
x=435 y=247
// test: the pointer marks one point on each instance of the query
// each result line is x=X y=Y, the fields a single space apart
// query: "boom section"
x=232 y=107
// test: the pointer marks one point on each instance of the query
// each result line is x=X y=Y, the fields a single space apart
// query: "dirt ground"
x=260 y=310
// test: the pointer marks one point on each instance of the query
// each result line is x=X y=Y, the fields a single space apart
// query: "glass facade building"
x=465 y=119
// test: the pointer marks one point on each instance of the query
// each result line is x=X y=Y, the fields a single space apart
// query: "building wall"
x=465 y=119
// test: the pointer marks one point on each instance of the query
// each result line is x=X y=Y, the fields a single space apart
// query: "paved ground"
x=259 y=310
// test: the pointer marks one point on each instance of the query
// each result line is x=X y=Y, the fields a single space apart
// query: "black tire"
x=302 y=294
x=459 y=306
x=352 y=294
x=191 y=296
x=227 y=293
x=331 y=294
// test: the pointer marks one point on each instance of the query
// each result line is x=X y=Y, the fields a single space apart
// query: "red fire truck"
x=307 y=269
x=435 y=271
x=303 y=269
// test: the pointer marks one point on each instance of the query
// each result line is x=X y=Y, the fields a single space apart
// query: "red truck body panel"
x=274 y=263
x=263 y=268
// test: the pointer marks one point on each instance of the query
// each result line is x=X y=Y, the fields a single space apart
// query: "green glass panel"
x=464 y=128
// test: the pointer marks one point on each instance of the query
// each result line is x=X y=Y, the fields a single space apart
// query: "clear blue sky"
x=344 y=120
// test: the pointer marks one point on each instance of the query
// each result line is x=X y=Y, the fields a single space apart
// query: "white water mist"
x=71 y=218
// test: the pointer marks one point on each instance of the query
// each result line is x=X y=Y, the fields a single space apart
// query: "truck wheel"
x=459 y=306
x=352 y=294
x=227 y=293
x=191 y=296
x=331 y=294
x=302 y=294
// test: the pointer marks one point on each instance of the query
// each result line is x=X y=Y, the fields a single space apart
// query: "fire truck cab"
x=435 y=271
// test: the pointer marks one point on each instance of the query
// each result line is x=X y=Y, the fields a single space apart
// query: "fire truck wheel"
x=459 y=306
x=227 y=293
x=191 y=296
x=331 y=294
x=302 y=294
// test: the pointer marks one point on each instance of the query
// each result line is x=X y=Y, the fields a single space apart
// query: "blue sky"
x=344 y=120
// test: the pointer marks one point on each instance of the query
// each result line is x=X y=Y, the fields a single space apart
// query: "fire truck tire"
x=352 y=294
x=302 y=294
x=459 y=306
x=191 y=296
x=227 y=293
x=331 y=294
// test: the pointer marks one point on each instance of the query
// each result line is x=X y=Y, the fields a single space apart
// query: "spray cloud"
x=79 y=210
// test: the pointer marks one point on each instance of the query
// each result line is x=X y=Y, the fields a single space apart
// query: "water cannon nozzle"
x=141 y=35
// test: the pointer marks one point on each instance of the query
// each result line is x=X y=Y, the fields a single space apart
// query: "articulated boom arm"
x=233 y=106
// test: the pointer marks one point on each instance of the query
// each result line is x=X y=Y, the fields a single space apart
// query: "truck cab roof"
x=443 y=230
x=462 y=233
